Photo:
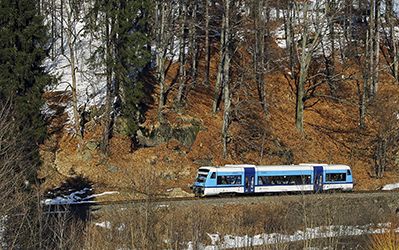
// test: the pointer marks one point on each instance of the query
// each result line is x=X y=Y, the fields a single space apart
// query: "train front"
x=200 y=181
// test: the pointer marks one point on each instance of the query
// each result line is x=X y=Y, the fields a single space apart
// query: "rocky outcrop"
x=184 y=132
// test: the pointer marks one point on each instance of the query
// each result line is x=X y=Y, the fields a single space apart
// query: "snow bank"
x=230 y=241
x=390 y=187
x=75 y=198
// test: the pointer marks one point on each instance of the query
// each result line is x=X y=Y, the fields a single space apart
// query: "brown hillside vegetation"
x=331 y=135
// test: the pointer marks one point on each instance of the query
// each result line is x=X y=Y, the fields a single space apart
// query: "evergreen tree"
x=124 y=27
x=22 y=128
x=132 y=55
x=22 y=78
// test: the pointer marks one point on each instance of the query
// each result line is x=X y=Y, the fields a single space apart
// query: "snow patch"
x=390 y=186
x=75 y=198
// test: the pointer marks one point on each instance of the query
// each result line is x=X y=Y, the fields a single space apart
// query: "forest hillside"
x=258 y=82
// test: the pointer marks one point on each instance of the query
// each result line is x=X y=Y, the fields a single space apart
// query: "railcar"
x=251 y=179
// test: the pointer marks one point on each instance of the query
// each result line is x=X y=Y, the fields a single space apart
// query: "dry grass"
x=388 y=240
x=149 y=226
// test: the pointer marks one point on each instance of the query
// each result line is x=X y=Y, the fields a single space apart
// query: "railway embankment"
x=327 y=219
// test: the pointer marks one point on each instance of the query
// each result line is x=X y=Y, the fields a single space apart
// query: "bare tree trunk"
x=303 y=70
x=182 y=52
x=371 y=46
x=262 y=55
x=300 y=102
x=380 y=158
x=362 y=107
x=160 y=52
x=69 y=10
x=376 y=47
x=289 y=23
x=393 y=41
x=308 y=47
x=330 y=60
x=206 y=76
x=104 y=146
x=53 y=27
x=62 y=24
x=220 y=75
x=193 y=42
x=226 y=85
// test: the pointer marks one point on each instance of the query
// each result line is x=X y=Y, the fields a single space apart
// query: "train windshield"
x=201 y=175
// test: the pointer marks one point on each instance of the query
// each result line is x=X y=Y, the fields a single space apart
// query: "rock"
x=168 y=176
x=178 y=192
x=185 y=132
x=92 y=145
x=101 y=161
x=184 y=173
x=203 y=162
x=185 y=135
x=87 y=156
x=159 y=135
x=152 y=160
x=167 y=160
x=111 y=168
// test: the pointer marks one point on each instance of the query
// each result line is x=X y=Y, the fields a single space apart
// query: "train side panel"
x=276 y=179
x=224 y=181
x=338 y=177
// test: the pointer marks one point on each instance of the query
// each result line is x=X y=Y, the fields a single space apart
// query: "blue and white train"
x=250 y=179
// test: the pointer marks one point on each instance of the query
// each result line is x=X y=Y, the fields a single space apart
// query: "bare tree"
x=388 y=23
x=383 y=135
x=261 y=31
x=223 y=73
x=307 y=25
x=194 y=41
x=207 y=46
x=71 y=8
x=311 y=28
x=183 y=11
x=164 y=20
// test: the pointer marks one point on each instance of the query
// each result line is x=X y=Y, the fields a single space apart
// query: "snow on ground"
x=231 y=241
x=90 y=83
x=77 y=197
x=390 y=186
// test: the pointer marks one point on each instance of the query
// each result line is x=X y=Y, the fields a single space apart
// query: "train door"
x=318 y=178
x=249 y=180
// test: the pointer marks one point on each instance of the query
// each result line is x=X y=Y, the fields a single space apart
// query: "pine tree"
x=23 y=40
x=132 y=55
x=22 y=127
x=124 y=27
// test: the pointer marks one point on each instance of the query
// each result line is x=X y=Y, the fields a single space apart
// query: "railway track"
x=226 y=199
x=388 y=200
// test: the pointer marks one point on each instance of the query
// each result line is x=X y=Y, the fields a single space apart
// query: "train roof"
x=302 y=166
x=284 y=167
x=337 y=167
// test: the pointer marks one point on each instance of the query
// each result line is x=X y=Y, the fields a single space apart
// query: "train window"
x=284 y=180
x=262 y=180
x=336 y=177
x=201 y=177
x=229 y=180
x=213 y=176
x=349 y=172
x=305 y=179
